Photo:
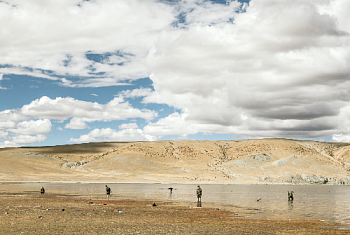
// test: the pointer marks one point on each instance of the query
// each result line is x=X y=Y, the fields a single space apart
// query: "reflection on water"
x=290 y=205
x=311 y=202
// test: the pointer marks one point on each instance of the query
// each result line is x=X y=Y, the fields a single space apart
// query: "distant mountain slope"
x=188 y=161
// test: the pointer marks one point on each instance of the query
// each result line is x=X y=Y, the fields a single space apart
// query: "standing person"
x=42 y=190
x=290 y=196
x=108 y=191
x=199 y=194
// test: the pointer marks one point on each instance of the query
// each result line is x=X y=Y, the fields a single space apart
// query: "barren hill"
x=232 y=161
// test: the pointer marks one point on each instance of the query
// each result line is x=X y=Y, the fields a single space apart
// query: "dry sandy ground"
x=235 y=161
x=59 y=214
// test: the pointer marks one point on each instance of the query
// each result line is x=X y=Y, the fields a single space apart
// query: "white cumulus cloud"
x=273 y=69
x=283 y=64
x=341 y=137
x=108 y=134
x=82 y=111
x=56 y=36
x=128 y=126
x=28 y=139
x=76 y=123
x=3 y=135
x=33 y=127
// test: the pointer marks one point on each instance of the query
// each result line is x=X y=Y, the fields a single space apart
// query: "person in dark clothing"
x=290 y=196
x=199 y=194
x=108 y=191
x=42 y=190
x=171 y=190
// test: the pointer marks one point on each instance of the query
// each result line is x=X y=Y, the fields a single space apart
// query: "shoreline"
x=177 y=183
x=37 y=214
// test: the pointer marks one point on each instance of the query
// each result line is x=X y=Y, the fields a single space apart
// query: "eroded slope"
x=243 y=161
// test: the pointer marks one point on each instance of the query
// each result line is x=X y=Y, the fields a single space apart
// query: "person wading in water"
x=290 y=196
x=108 y=191
x=199 y=196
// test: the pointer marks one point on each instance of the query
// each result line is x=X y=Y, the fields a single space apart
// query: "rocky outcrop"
x=263 y=157
x=314 y=179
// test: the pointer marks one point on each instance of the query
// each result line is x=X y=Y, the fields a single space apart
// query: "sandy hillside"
x=243 y=161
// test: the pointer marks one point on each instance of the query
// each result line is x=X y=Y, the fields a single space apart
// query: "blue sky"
x=74 y=71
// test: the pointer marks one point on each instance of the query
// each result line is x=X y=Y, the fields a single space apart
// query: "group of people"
x=108 y=191
x=198 y=191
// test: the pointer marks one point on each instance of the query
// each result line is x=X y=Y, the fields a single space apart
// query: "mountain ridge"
x=253 y=161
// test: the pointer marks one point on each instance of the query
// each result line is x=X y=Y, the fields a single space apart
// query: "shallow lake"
x=330 y=203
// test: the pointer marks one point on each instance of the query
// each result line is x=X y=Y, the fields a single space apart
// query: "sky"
x=78 y=71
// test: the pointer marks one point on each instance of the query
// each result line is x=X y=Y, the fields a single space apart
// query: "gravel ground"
x=61 y=214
